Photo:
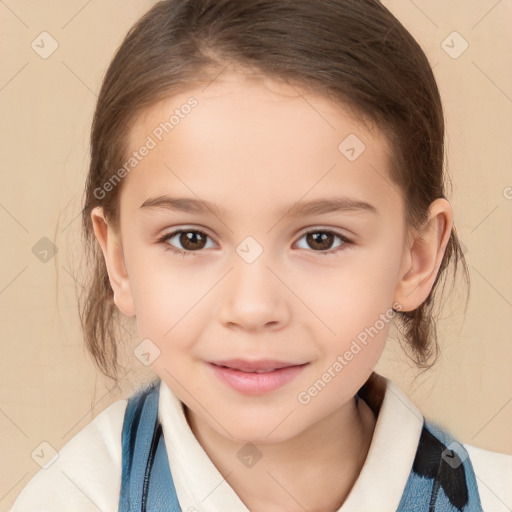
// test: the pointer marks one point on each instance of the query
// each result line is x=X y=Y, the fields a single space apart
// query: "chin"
x=261 y=431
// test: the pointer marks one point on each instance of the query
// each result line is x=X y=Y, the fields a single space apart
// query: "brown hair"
x=354 y=52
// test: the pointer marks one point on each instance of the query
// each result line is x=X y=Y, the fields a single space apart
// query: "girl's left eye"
x=193 y=240
x=324 y=238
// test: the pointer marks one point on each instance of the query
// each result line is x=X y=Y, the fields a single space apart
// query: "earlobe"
x=424 y=255
x=112 y=249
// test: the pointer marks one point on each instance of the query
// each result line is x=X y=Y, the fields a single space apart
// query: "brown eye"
x=191 y=240
x=321 y=241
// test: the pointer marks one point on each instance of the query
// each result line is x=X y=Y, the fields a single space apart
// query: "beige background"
x=49 y=387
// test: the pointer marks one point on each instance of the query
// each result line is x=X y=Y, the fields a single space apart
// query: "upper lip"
x=261 y=364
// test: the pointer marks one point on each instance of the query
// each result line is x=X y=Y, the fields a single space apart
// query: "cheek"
x=164 y=304
x=357 y=311
x=353 y=296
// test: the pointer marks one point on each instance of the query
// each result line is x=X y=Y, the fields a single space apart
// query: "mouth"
x=256 y=377
x=261 y=366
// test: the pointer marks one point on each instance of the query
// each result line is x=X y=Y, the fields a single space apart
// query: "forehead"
x=244 y=142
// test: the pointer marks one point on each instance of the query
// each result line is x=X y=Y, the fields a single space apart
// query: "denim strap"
x=146 y=482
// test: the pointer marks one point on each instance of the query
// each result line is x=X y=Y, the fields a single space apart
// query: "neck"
x=314 y=470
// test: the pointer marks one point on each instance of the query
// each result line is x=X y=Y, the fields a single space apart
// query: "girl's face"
x=218 y=266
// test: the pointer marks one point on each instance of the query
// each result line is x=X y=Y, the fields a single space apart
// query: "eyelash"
x=163 y=240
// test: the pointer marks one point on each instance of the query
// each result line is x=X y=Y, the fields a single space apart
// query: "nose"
x=254 y=298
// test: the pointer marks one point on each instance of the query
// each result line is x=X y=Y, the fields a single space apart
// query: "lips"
x=261 y=366
x=256 y=377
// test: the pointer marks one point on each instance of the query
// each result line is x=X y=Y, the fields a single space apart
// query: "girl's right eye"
x=192 y=240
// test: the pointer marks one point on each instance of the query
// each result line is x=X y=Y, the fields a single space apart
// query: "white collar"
x=379 y=486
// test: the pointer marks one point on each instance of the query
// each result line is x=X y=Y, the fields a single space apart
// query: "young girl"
x=265 y=198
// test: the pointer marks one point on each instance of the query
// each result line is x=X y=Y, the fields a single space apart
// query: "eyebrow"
x=298 y=209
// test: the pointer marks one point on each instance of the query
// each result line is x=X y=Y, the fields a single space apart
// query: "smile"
x=255 y=377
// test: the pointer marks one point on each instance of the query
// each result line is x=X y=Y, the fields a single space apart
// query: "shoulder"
x=493 y=472
x=86 y=475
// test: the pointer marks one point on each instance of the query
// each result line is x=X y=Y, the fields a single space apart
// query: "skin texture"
x=253 y=148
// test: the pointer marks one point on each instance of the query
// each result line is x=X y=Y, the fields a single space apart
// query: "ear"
x=112 y=249
x=423 y=256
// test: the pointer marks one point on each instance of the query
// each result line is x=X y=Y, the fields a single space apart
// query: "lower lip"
x=256 y=383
